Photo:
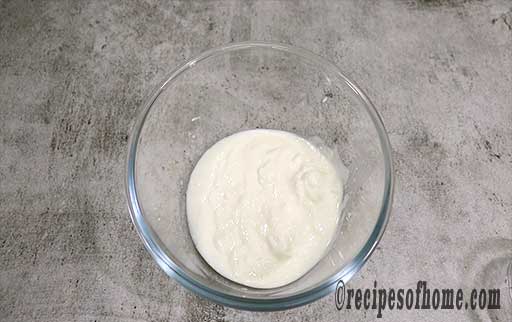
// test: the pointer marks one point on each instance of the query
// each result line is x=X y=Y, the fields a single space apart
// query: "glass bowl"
x=246 y=86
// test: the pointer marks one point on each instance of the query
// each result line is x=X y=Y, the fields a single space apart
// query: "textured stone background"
x=73 y=74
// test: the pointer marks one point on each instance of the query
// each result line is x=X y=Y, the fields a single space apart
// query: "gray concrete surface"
x=73 y=75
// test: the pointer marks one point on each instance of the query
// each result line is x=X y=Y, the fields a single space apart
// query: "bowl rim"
x=245 y=303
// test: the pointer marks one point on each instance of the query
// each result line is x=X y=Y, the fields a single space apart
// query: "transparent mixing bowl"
x=246 y=86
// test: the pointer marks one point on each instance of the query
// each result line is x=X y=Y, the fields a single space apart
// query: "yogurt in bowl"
x=263 y=206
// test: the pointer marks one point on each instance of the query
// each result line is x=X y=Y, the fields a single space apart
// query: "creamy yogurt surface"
x=263 y=206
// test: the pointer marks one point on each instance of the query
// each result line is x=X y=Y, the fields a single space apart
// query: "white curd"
x=263 y=206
